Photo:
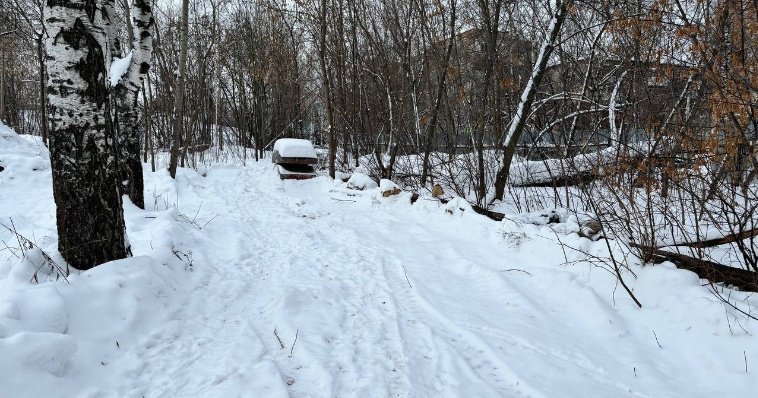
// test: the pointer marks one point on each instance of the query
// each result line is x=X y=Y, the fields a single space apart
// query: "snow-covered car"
x=294 y=158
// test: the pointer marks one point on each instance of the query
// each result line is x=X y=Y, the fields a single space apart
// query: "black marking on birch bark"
x=91 y=67
x=88 y=6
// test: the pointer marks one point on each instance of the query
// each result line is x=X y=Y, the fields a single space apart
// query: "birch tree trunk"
x=86 y=185
x=126 y=93
x=43 y=125
x=178 y=124
x=327 y=88
x=527 y=96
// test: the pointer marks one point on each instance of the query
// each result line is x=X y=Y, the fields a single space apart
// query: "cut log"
x=705 y=269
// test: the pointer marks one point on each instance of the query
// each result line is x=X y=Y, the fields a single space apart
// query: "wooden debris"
x=731 y=238
x=591 y=229
x=391 y=192
x=705 y=269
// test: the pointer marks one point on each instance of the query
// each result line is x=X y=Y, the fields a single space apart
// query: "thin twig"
x=516 y=269
x=656 y=339
x=294 y=342
x=209 y=221
x=280 y=340
x=406 y=275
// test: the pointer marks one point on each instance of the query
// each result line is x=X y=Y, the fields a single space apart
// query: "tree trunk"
x=438 y=100
x=527 y=97
x=2 y=84
x=178 y=124
x=327 y=90
x=43 y=125
x=126 y=94
x=491 y=24
x=86 y=186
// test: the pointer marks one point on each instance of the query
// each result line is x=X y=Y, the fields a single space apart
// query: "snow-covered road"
x=369 y=297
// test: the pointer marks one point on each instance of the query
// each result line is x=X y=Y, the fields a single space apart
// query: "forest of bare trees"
x=640 y=112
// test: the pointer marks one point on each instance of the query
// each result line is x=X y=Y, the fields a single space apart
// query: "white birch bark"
x=82 y=149
x=527 y=96
x=127 y=83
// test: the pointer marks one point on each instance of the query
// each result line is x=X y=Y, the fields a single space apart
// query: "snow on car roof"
x=294 y=148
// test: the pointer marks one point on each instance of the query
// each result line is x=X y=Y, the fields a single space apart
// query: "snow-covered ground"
x=245 y=285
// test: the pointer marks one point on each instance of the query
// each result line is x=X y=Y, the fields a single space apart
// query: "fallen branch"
x=731 y=238
x=580 y=178
x=705 y=269
x=294 y=342
x=478 y=209
x=491 y=214
x=279 y=339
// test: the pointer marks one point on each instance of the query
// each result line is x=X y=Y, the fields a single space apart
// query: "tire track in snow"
x=489 y=369
x=483 y=281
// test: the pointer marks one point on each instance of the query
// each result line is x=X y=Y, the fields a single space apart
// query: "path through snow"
x=388 y=300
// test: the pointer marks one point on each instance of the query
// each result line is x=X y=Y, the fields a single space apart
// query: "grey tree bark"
x=438 y=99
x=86 y=185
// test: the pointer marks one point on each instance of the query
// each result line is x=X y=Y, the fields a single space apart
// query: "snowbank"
x=361 y=182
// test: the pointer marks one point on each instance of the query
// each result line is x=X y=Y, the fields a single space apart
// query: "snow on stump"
x=295 y=159
x=361 y=182
x=388 y=188
x=458 y=207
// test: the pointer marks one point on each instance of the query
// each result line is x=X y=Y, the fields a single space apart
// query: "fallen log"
x=491 y=214
x=731 y=238
x=580 y=178
x=705 y=269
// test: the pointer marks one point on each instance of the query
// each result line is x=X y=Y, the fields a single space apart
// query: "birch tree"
x=527 y=97
x=127 y=75
x=86 y=184
x=178 y=124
